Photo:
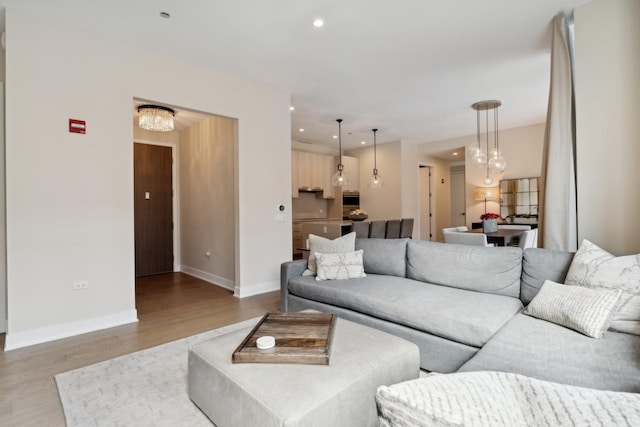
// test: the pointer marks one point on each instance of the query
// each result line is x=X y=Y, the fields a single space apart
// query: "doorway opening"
x=192 y=177
x=425 y=188
x=458 y=196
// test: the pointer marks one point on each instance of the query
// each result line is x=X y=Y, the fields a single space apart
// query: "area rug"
x=145 y=388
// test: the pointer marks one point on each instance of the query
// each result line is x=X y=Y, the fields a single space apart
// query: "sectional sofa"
x=463 y=307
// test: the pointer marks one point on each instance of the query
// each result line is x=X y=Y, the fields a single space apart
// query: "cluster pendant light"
x=340 y=177
x=156 y=118
x=492 y=160
x=376 y=180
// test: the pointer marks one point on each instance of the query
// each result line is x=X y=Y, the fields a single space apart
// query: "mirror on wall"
x=519 y=198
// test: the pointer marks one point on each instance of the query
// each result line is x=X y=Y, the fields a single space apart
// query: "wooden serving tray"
x=301 y=338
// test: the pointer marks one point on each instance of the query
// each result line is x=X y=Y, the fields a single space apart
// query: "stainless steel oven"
x=350 y=202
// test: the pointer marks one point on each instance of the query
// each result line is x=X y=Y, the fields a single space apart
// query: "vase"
x=489 y=225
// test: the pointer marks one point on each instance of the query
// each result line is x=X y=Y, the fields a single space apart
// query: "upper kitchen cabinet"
x=352 y=169
x=311 y=172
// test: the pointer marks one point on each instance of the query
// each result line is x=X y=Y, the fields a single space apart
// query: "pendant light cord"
x=375 y=154
x=340 y=142
x=486 y=115
x=495 y=128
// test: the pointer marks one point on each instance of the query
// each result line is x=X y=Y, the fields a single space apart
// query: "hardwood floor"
x=170 y=306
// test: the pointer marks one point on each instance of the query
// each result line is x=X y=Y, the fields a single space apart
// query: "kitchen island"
x=329 y=228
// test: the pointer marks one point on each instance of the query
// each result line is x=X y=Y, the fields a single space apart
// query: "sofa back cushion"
x=539 y=265
x=493 y=270
x=384 y=256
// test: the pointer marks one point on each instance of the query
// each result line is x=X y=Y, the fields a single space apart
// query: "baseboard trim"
x=208 y=277
x=17 y=340
x=261 y=288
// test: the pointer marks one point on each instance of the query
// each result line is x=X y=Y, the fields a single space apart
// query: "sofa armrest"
x=288 y=270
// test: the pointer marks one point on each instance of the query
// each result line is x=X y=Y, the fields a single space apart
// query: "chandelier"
x=156 y=118
x=493 y=160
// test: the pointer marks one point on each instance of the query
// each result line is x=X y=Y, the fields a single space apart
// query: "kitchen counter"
x=328 y=221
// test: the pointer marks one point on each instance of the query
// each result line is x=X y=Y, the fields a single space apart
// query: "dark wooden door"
x=153 y=205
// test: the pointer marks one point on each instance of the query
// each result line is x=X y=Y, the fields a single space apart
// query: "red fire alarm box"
x=77 y=126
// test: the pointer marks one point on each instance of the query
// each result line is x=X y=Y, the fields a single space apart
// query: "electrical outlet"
x=80 y=285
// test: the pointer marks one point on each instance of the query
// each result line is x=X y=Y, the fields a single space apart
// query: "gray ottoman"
x=340 y=394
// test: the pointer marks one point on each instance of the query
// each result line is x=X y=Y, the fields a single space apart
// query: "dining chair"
x=361 y=228
x=392 y=230
x=462 y=238
x=377 y=229
x=462 y=228
x=513 y=227
x=406 y=228
x=449 y=230
x=529 y=239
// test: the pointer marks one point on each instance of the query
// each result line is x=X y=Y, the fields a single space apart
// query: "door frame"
x=431 y=201
x=175 y=203
x=464 y=195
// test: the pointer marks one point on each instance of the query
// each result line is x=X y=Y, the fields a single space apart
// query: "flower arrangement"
x=489 y=215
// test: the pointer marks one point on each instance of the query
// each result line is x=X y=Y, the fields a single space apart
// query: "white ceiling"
x=411 y=68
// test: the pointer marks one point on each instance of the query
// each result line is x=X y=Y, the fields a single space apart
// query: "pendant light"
x=493 y=161
x=376 y=180
x=340 y=177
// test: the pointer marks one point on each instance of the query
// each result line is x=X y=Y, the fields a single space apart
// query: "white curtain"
x=557 y=211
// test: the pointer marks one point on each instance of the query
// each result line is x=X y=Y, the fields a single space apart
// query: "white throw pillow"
x=347 y=265
x=346 y=243
x=586 y=310
x=594 y=267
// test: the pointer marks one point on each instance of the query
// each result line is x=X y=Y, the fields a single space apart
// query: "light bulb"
x=487 y=180
x=498 y=164
x=375 y=181
x=340 y=179
x=478 y=156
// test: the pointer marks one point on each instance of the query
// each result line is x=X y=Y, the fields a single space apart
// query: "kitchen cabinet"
x=311 y=170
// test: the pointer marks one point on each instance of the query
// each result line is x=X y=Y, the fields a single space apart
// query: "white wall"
x=607 y=84
x=70 y=197
x=207 y=200
x=3 y=257
x=385 y=202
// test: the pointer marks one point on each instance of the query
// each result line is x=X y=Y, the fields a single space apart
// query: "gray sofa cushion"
x=483 y=269
x=539 y=265
x=462 y=316
x=546 y=351
x=384 y=256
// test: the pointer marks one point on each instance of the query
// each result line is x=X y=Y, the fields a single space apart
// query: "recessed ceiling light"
x=292 y=108
x=318 y=22
x=165 y=15
x=363 y=142
x=455 y=153
x=335 y=136
x=301 y=130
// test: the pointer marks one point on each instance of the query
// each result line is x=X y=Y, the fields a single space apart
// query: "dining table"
x=501 y=237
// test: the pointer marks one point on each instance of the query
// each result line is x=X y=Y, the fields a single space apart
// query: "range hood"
x=310 y=190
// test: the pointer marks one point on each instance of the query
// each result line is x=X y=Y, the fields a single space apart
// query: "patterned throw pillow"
x=346 y=243
x=347 y=265
x=593 y=267
x=588 y=311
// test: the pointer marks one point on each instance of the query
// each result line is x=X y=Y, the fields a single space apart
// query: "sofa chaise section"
x=544 y=350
